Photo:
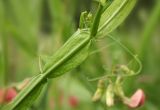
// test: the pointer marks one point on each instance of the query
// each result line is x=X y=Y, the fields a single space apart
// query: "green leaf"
x=70 y=55
x=28 y=95
x=96 y=21
x=115 y=14
x=31 y=97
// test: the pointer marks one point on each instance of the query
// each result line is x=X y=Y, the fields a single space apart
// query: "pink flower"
x=10 y=94
x=137 y=99
x=73 y=101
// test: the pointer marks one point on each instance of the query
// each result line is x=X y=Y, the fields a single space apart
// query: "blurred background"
x=30 y=28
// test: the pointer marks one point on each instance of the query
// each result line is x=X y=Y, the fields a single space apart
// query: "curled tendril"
x=128 y=51
x=131 y=53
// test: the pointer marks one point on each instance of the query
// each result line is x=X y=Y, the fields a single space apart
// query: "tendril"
x=131 y=53
x=128 y=51
x=98 y=50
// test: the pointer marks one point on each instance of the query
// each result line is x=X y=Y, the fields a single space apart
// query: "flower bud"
x=101 y=84
x=126 y=70
x=99 y=92
x=110 y=95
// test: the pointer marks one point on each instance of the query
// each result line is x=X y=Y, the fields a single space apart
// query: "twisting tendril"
x=128 y=51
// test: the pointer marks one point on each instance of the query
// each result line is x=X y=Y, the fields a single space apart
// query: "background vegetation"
x=29 y=28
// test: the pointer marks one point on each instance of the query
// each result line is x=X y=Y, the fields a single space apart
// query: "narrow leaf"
x=115 y=14
x=31 y=97
x=70 y=55
x=26 y=97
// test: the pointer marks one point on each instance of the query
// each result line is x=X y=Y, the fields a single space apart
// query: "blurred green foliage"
x=30 y=28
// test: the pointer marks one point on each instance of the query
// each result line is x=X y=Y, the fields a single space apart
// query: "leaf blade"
x=115 y=14
x=55 y=66
x=34 y=83
x=77 y=45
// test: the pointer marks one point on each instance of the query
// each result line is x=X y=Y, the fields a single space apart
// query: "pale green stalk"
x=149 y=29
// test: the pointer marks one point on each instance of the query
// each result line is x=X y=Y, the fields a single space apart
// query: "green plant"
x=110 y=15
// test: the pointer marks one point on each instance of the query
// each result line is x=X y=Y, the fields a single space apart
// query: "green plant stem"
x=44 y=102
x=149 y=29
x=3 y=41
x=96 y=21
x=4 y=60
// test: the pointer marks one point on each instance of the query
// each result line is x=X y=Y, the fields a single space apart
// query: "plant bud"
x=126 y=70
x=98 y=94
x=110 y=95
x=101 y=84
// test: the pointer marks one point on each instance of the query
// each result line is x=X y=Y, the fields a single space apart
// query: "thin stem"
x=127 y=50
x=96 y=21
x=98 y=50
x=4 y=60
x=149 y=29
x=3 y=41
x=131 y=53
